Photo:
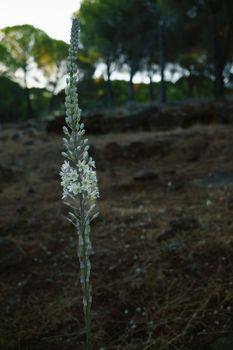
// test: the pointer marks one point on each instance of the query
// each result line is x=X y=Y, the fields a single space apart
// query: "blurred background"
x=161 y=51
x=155 y=87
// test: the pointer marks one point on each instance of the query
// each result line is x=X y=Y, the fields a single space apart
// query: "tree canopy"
x=161 y=39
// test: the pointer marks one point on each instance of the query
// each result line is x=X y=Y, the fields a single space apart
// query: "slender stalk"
x=79 y=181
x=85 y=285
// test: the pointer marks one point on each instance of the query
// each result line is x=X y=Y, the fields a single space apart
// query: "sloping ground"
x=162 y=268
x=151 y=116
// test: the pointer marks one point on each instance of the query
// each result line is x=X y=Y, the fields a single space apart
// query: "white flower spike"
x=78 y=177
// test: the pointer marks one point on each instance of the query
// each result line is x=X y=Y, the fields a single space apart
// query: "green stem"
x=86 y=289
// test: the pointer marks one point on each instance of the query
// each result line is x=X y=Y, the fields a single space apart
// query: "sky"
x=52 y=16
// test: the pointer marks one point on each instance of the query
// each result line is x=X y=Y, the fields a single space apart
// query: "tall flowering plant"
x=78 y=177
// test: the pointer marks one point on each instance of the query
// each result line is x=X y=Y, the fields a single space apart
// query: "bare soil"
x=162 y=267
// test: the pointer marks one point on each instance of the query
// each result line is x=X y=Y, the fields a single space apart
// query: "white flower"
x=80 y=180
x=91 y=163
x=74 y=188
x=81 y=165
x=66 y=165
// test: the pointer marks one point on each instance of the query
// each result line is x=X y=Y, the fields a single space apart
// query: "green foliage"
x=98 y=28
x=25 y=47
x=50 y=56
x=105 y=30
x=22 y=43
x=181 y=89
x=12 y=104
x=212 y=49
x=6 y=60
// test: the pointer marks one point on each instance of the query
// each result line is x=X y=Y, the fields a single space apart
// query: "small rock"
x=31 y=190
x=174 y=246
x=185 y=223
x=166 y=234
x=32 y=131
x=16 y=136
x=176 y=184
x=144 y=175
x=215 y=179
x=22 y=210
x=29 y=143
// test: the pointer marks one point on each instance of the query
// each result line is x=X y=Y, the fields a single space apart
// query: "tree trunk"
x=219 y=81
x=108 y=85
x=27 y=96
x=190 y=82
x=217 y=58
x=162 y=61
x=51 y=103
x=54 y=84
x=131 y=95
x=151 y=87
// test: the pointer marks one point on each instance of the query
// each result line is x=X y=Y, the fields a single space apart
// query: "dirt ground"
x=163 y=246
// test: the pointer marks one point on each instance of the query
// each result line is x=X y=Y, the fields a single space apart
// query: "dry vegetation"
x=162 y=267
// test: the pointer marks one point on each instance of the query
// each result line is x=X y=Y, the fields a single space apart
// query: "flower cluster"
x=80 y=180
x=78 y=171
